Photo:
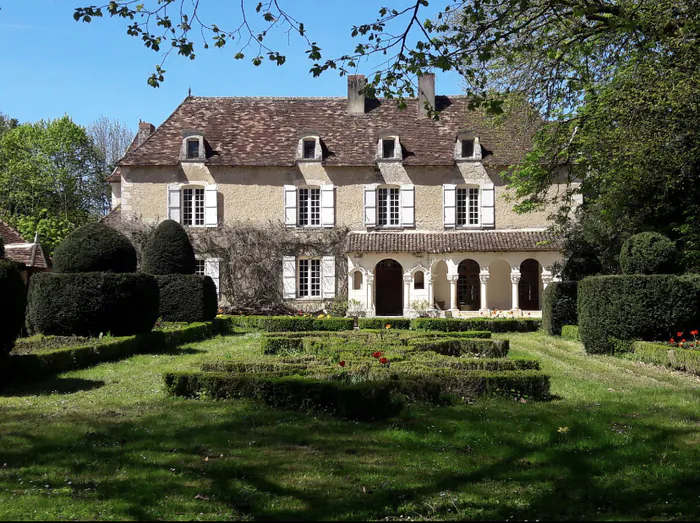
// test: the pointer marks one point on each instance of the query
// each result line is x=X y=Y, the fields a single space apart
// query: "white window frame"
x=308 y=207
x=398 y=154
x=318 y=151
x=476 y=152
x=190 y=193
x=197 y=263
x=384 y=206
x=306 y=266
x=468 y=207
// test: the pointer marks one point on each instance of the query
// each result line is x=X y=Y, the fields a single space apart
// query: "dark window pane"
x=192 y=149
x=467 y=148
x=388 y=147
x=309 y=149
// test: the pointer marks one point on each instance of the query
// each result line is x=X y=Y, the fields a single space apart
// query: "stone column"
x=547 y=278
x=431 y=291
x=514 y=280
x=407 y=279
x=370 y=296
x=483 y=278
x=452 y=278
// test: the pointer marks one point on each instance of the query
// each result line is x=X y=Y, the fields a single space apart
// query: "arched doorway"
x=468 y=286
x=529 y=286
x=388 y=277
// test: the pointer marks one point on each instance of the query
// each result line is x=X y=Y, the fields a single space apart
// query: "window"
x=467 y=148
x=388 y=148
x=309 y=149
x=192 y=149
x=199 y=267
x=419 y=280
x=356 y=281
x=388 y=208
x=193 y=206
x=309 y=207
x=309 y=275
x=468 y=206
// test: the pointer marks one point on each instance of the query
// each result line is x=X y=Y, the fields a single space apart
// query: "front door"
x=389 y=288
x=529 y=286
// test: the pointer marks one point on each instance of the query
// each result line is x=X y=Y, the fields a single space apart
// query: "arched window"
x=356 y=281
x=419 y=280
x=468 y=285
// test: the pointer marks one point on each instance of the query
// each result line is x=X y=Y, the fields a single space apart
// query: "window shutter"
x=174 y=202
x=487 y=205
x=290 y=205
x=408 y=202
x=328 y=276
x=289 y=277
x=449 y=191
x=211 y=269
x=327 y=206
x=370 y=205
x=211 y=212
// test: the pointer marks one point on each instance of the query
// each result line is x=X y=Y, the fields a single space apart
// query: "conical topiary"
x=95 y=247
x=168 y=251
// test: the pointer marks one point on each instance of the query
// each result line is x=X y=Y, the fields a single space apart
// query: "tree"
x=111 y=137
x=7 y=123
x=51 y=179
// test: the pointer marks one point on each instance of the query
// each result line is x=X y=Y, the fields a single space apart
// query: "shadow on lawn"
x=53 y=386
x=240 y=460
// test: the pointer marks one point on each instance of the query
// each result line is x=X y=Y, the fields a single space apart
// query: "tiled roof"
x=266 y=131
x=9 y=234
x=457 y=241
x=114 y=216
x=30 y=254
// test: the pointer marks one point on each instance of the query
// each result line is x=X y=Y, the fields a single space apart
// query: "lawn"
x=620 y=441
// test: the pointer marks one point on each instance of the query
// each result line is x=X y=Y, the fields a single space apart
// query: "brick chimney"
x=145 y=130
x=356 y=98
x=426 y=93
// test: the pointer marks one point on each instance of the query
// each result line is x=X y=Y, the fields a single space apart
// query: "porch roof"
x=454 y=241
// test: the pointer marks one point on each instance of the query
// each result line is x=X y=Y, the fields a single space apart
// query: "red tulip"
x=342 y=364
x=377 y=354
x=679 y=334
x=694 y=333
x=383 y=360
x=672 y=341
x=682 y=341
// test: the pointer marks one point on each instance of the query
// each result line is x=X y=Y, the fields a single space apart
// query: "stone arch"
x=468 y=285
x=441 y=287
x=388 y=283
x=530 y=285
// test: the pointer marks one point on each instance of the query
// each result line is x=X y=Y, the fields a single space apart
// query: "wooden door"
x=529 y=286
x=389 y=288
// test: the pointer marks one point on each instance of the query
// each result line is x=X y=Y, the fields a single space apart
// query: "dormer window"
x=309 y=149
x=467 y=147
x=192 y=149
x=389 y=148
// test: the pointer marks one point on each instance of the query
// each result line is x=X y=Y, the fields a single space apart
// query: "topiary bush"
x=187 y=297
x=89 y=304
x=168 y=251
x=559 y=306
x=94 y=247
x=613 y=310
x=13 y=302
x=648 y=253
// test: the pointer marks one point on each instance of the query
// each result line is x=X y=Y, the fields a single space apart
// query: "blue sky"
x=53 y=65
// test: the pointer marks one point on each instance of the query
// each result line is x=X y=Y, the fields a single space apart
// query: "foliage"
x=381 y=323
x=559 y=306
x=648 y=253
x=90 y=304
x=111 y=138
x=494 y=325
x=292 y=323
x=12 y=305
x=2 y=248
x=187 y=298
x=339 y=306
x=671 y=357
x=282 y=344
x=582 y=263
x=7 y=123
x=51 y=179
x=464 y=346
x=168 y=251
x=635 y=307
x=94 y=247
x=570 y=332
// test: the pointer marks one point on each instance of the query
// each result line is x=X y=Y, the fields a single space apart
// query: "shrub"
x=168 y=251
x=13 y=302
x=381 y=323
x=559 y=306
x=570 y=332
x=635 y=308
x=2 y=248
x=648 y=253
x=460 y=346
x=580 y=265
x=672 y=357
x=282 y=345
x=94 y=247
x=187 y=297
x=92 y=303
x=292 y=323
x=491 y=324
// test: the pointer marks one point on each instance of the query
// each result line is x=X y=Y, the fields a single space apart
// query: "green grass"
x=621 y=441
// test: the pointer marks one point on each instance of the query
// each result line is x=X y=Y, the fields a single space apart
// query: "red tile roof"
x=10 y=234
x=266 y=131
x=30 y=254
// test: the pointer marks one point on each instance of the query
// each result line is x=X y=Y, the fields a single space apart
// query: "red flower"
x=341 y=363
x=682 y=341
x=383 y=360
x=377 y=354
x=679 y=334
x=672 y=341
x=694 y=333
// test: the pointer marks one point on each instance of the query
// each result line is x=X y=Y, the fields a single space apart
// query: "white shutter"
x=211 y=209
x=408 y=203
x=449 y=191
x=371 y=205
x=327 y=206
x=174 y=202
x=289 y=277
x=328 y=276
x=290 y=205
x=211 y=269
x=487 y=205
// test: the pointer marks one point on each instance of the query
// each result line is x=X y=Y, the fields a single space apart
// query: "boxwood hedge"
x=89 y=304
x=13 y=302
x=559 y=306
x=381 y=323
x=461 y=346
x=94 y=247
x=570 y=332
x=292 y=323
x=667 y=356
x=648 y=253
x=187 y=297
x=469 y=324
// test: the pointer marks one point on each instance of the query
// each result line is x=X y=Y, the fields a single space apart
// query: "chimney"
x=145 y=130
x=356 y=99
x=426 y=93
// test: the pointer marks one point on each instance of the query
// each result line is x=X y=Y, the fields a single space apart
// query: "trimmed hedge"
x=615 y=309
x=282 y=345
x=168 y=251
x=648 y=253
x=92 y=303
x=291 y=323
x=671 y=357
x=13 y=302
x=381 y=323
x=187 y=297
x=559 y=306
x=490 y=324
x=570 y=332
x=94 y=247
x=460 y=346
